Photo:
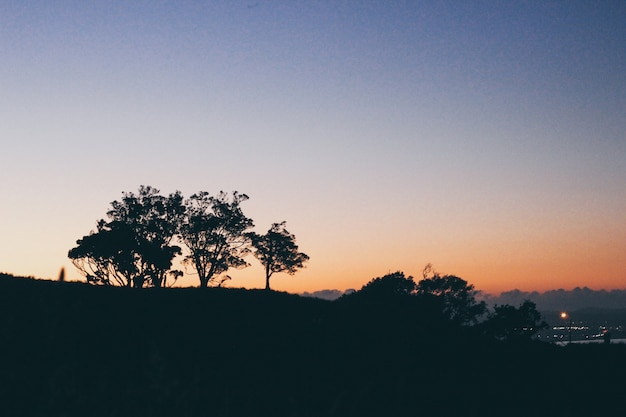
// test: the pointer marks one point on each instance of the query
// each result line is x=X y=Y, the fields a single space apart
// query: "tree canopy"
x=133 y=247
x=507 y=322
x=456 y=297
x=445 y=297
x=214 y=231
x=392 y=285
x=144 y=232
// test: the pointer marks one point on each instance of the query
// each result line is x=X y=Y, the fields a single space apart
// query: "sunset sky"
x=488 y=138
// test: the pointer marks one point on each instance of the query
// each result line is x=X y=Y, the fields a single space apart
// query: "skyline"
x=488 y=140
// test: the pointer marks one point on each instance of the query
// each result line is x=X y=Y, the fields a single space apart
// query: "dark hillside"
x=70 y=349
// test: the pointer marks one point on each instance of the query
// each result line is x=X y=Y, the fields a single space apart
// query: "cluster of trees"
x=450 y=299
x=144 y=233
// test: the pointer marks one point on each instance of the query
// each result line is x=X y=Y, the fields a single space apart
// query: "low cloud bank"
x=553 y=300
x=327 y=294
x=561 y=299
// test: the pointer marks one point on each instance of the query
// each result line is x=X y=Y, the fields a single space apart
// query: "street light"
x=564 y=316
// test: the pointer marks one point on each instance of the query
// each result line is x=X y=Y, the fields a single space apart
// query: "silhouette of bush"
x=456 y=298
x=390 y=286
x=510 y=323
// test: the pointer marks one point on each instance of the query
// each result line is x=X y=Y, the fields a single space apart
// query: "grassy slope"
x=71 y=349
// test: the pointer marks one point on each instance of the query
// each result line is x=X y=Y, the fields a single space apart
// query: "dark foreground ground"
x=70 y=349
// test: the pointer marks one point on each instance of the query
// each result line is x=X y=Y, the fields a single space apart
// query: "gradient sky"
x=488 y=138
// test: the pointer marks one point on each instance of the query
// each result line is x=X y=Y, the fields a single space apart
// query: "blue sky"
x=488 y=138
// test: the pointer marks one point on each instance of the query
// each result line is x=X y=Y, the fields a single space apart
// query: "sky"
x=487 y=138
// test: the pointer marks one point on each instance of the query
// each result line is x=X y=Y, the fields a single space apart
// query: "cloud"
x=326 y=294
x=561 y=299
x=553 y=300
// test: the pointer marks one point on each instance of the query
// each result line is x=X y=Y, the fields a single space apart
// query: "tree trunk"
x=268 y=274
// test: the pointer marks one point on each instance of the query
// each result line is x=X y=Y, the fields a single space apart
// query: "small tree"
x=214 y=231
x=277 y=251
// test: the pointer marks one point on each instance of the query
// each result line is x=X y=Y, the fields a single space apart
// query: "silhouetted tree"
x=387 y=307
x=106 y=256
x=388 y=286
x=509 y=323
x=277 y=251
x=134 y=247
x=214 y=230
x=457 y=298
